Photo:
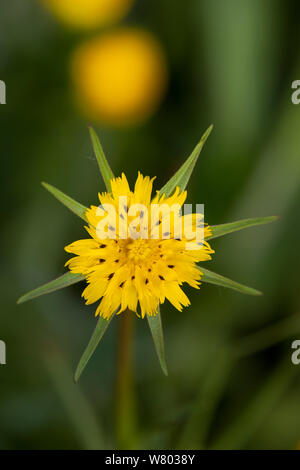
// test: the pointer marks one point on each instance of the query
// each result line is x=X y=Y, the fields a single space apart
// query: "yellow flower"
x=119 y=77
x=88 y=14
x=136 y=263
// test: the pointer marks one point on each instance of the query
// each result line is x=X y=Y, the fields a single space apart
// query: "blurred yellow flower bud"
x=88 y=14
x=120 y=77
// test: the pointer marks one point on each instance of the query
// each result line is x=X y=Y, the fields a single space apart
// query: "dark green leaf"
x=61 y=282
x=97 y=335
x=70 y=203
x=155 y=326
x=103 y=164
x=218 y=280
x=224 y=229
x=182 y=176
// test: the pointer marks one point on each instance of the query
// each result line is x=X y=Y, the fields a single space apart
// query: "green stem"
x=125 y=402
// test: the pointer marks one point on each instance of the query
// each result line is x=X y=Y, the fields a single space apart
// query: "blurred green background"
x=231 y=383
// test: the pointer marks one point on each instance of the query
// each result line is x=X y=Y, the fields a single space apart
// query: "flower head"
x=88 y=14
x=141 y=250
x=120 y=76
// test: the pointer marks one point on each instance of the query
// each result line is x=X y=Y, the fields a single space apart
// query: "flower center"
x=138 y=250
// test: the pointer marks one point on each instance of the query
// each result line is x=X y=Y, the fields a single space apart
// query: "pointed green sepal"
x=224 y=229
x=97 y=335
x=67 y=201
x=213 y=278
x=61 y=282
x=182 y=176
x=155 y=326
x=103 y=164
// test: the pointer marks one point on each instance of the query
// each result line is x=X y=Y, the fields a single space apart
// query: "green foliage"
x=224 y=229
x=155 y=326
x=103 y=164
x=218 y=280
x=97 y=335
x=61 y=282
x=67 y=201
x=182 y=176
